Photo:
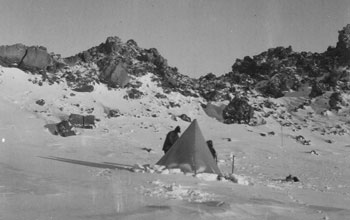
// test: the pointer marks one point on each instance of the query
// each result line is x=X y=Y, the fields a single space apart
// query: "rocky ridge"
x=256 y=81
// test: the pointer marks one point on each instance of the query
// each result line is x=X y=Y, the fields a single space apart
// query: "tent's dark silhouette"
x=190 y=153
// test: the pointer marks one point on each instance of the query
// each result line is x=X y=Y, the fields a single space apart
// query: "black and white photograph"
x=174 y=109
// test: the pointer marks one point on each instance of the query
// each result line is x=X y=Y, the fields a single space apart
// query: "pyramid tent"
x=190 y=153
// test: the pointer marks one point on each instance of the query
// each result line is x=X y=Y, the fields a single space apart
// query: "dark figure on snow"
x=170 y=139
x=212 y=150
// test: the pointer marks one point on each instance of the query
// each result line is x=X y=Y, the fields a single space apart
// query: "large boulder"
x=13 y=54
x=28 y=58
x=238 y=111
x=335 y=101
x=65 y=129
x=115 y=75
x=36 y=58
x=82 y=121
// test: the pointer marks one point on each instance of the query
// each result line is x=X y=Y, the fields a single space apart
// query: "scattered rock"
x=113 y=113
x=185 y=118
x=64 y=128
x=313 y=152
x=160 y=96
x=329 y=141
x=40 y=102
x=84 y=88
x=134 y=94
x=173 y=104
x=271 y=133
x=228 y=139
x=146 y=149
x=302 y=140
x=291 y=178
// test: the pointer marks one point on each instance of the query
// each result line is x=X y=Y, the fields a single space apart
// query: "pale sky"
x=197 y=36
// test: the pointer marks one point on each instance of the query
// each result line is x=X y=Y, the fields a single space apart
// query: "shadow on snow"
x=104 y=165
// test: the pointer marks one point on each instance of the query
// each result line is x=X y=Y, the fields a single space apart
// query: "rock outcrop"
x=34 y=58
x=343 y=45
x=12 y=55
x=270 y=74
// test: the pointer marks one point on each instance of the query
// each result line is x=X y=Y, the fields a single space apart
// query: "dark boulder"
x=335 y=100
x=185 y=118
x=113 y=113
x=83 y=88
x=291 y=178
x=82 y=121
x=238 y=111
x=134 y=94
x=64 y=128
x=36 y=58
x=40 y=102
x=160 y=96
x=302 y=140
x=114 y=74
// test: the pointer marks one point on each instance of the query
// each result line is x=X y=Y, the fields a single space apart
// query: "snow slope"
x=89 y=176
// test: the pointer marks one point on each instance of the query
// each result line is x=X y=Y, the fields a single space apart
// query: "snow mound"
x=176 y=191
x=241 y=180
x=137 y=168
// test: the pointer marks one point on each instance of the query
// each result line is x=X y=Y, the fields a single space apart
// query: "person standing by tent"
x=170 y=139
x=212 y=150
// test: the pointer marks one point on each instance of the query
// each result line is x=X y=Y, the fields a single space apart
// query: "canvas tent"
x=190 y=153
